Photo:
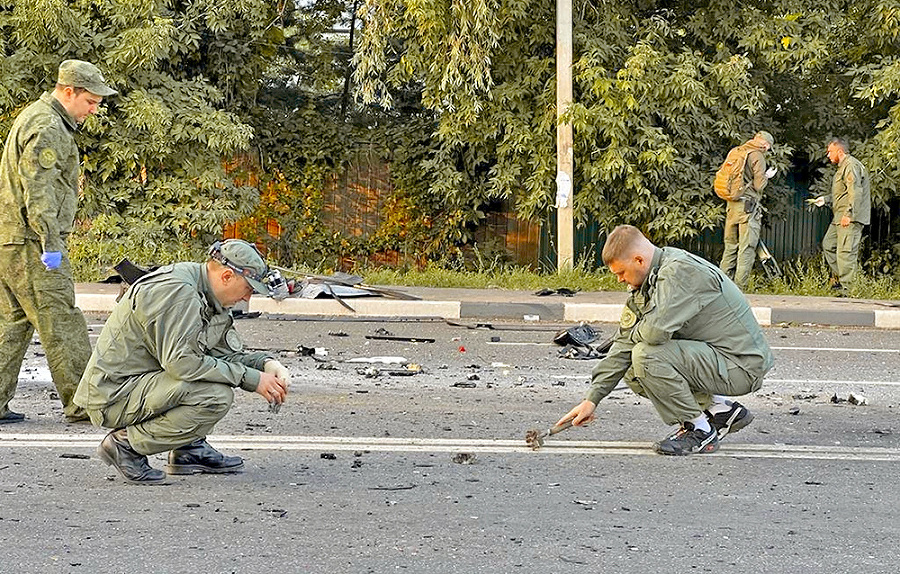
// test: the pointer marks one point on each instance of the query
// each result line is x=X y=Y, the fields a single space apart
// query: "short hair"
x=621 y=242
x=839 y=142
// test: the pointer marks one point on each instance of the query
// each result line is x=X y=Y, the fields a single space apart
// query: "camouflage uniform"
x=686 y=334
x=38 y=199
x=743 y=219
x=167 y=361
x=850 y=196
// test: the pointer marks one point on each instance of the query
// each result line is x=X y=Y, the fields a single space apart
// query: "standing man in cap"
x=165 y=367
x=851 y=204
x=743 y=216
x=39 y=173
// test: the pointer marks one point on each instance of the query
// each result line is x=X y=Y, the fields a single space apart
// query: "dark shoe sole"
x=706 y=449
x=104 y=456
x=201 y=469
x=11 y=421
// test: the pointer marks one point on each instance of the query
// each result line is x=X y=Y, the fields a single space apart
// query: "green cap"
x=244 y=259
x=80 y=74
x=765 y=136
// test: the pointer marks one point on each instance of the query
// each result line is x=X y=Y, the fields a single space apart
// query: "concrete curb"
x=487 y=306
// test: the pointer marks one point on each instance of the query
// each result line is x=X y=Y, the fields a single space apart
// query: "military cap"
x=244 y=259
x=80 y=74
x=764 y=135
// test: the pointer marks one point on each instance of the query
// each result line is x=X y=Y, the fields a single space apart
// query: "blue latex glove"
x=51 y=259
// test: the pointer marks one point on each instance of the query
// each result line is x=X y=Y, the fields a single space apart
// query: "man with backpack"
x=740 y=181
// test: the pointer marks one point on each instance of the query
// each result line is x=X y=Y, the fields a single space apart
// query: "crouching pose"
x=687 y=339
x=164 y=368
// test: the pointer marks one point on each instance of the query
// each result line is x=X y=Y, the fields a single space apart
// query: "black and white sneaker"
x=688 y=440
x=731 y=420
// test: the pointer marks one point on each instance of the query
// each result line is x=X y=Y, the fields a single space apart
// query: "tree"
x=663 y=90
x=155 y=184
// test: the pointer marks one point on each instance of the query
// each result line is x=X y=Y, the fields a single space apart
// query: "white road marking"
x=498 y=446
x=833 y=382
x=835 y=349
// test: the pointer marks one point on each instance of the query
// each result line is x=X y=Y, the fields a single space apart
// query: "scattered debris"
x=239 y=314
x=577 y=343
x=76 y=456
x=585 y=502
x=403 y=339
x=561 y=291
x=855 y=399
x=338 y=334
x=328 y=456
x=473 y=377
x=531 y=317
x=794 y=411
x=312 y=351
x=805 y=396
x=326 y=366
x=463 y=458
x=465 y=385
x=379 y=360
x=398 y=487
x=852 y=398
x=495 y=339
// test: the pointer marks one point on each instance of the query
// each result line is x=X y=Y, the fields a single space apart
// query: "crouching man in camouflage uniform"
x=38 y=199
x=168 y=358
x=686 y=340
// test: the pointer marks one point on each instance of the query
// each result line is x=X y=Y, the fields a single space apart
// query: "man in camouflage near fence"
x=743 y=216
x=39 y=173
x=851 y=204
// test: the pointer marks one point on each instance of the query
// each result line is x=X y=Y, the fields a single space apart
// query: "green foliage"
x=153 y=159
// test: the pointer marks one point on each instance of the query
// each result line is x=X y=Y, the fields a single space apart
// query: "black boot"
x=199 y=457
x=12 y=417
x=116 y=451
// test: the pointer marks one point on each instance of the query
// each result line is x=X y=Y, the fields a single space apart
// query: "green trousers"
x=31 y=297
x=163 y=413
x=680 y=377
x=741 y=237
x=841 y=248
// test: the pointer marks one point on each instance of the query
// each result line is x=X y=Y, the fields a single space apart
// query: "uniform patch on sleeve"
x=628 y=318
x=47 y=157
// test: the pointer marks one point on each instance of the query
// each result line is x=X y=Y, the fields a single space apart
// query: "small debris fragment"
x=794 y=410
x=465 y=385
x=463 y=458
x=338 y=334
x=855 y=399
x=328 y=456
x=75 y=456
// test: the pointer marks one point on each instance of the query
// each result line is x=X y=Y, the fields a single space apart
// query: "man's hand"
x=273 y=389
x=51 y=259
x=845 y=221
x=581 y=414
x=770 y=173
x=276 y=368
x=817 y=201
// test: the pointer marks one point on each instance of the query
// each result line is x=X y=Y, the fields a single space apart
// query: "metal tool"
x=535 y=438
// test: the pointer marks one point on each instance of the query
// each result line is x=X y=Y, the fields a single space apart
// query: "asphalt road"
x=429 y=472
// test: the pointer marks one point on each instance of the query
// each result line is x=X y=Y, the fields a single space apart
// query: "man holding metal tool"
x=686 y=340
x=168 y=358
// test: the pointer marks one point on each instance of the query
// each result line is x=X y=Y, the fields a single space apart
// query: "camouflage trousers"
x=680 y=377
x=841 y=248
x=31 y=297
x=163 y=413
x=741 y=237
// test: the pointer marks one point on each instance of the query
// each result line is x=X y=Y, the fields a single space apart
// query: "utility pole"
x=565 y=227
